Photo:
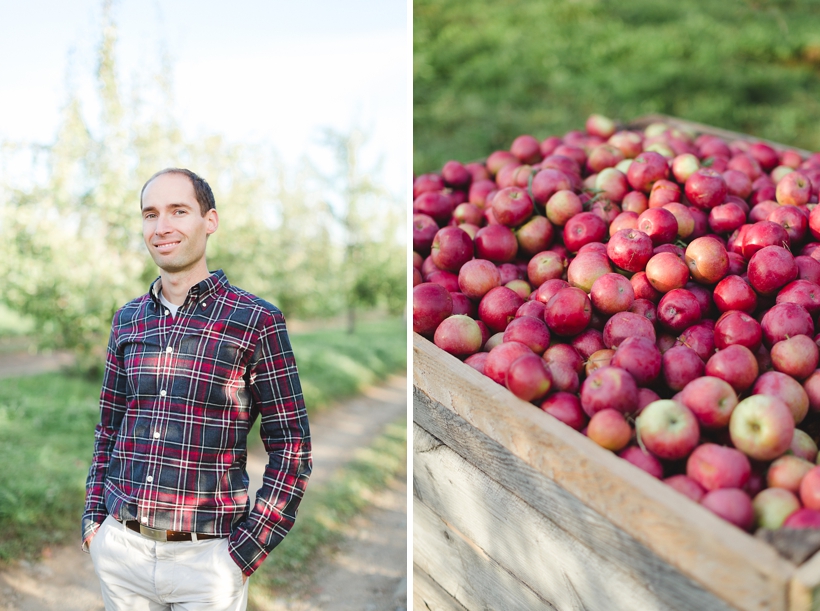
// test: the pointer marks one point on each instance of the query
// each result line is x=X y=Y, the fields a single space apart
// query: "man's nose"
x=163 y=225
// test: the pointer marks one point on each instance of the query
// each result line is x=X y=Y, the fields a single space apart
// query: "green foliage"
x=324 y=512
x=70 y=232
x=47 y=428
x=46 y=440
x=485 y=71
x=334 y=363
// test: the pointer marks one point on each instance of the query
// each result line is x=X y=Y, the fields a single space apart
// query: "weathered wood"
x=461 y=568
x=804 y=593
x=741 y=570
x=437 y=427
x=701 y=128
x=526 y=543
x=794 y=544
x=429 y=596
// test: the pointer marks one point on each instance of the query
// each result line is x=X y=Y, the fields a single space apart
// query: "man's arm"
x=284 y=428
x=112 y=409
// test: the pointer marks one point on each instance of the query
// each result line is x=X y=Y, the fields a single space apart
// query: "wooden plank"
x=728 y=562
x=522 y=540
x=429 y=596
x=463 y=570
x=702 y=128
x=582 y=531
x=804 y=593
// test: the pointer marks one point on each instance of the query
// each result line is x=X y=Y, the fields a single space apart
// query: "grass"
x=324 y=513
x=486 y=71
x=47 y=429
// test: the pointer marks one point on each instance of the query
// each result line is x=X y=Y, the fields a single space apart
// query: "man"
x=190 y=366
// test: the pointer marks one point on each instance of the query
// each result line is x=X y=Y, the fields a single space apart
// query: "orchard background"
x=319 y=232
x=486 y=71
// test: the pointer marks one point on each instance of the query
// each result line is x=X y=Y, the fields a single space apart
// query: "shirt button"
x=169 y=350
x=204 y=303
x=144 y=519
x=156 y=434
x=162 y=393
x=149 y=479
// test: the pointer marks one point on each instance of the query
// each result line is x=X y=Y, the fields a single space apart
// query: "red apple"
x=711 y=399
x=707 y=260
x=796 y=356
x=611 y=293
x=735 y=364
x=626 y=324
x=793 y=189
x=770 y=269
x=532 y=332
x=432 y=304
x=734 y=293
x=477 y=277
x=568 y=312
x=787 y=472
x=529 y=378
x=680 y=365
x=566 y=407
x=665 y=271
x=785 y=388
x=499 y=359
x=609 y=387
x=497 y=243
x=705 y=188
x=772 y=506
x=714 y=466
x=643 y=460
x=732 y=505
x=668 y=429
x=687 y=486
x=497 y=308
x=609 y=429
x=678 y=309
x=459 y=335
x=761 y=427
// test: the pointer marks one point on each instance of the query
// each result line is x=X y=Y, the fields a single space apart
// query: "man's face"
x=173 y=227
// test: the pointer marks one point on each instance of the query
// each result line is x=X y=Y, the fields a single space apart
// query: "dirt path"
x=369 y=572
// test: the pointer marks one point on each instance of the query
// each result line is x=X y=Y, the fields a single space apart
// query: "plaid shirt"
x=179 y=396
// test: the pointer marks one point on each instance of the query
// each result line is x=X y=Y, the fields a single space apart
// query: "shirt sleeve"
x=277 y=392
x=112 y=410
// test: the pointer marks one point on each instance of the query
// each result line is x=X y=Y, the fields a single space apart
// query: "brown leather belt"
x=165 y=535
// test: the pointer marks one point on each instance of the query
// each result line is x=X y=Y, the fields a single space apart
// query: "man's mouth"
x=165 y=246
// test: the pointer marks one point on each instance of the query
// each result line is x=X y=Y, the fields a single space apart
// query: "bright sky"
x=265 y=71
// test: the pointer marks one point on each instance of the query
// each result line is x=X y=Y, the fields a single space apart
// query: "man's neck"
x=175 y=285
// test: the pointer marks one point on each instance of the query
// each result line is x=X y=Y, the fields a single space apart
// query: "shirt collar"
x=214 y=283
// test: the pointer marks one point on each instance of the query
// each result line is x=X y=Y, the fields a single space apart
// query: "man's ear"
x=212 y=218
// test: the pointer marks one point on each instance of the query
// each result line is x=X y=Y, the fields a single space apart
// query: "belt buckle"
x=154 y=533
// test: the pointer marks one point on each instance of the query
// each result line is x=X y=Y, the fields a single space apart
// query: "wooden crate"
x=515 y=510
x=512 y=509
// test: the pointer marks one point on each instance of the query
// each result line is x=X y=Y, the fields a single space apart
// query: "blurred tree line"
x=486 y=71
x=315 y=242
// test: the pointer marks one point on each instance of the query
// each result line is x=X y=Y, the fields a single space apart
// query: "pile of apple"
x=656 y=290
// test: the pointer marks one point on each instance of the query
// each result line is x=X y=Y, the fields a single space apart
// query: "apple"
x=711 y=399
x=794 y=189
x=432 y=304
x=609 y=387
x=736 y=327
x=529 y=378
x=687 y=486
x=796 y=356
x=532 y=332
x=640 y=357
x=785 y=320
x=566 y=407
x=787 y=472
x=630 y=249
x=526 y=149
x=803 y=518
x=770 y=269
x=547 y=183
x=734 y=293
x=659 y=224
x=512 y=206
x=477 y=277
x=643 y=460
x=761 y=427
x=666 y=271
x=583 y=228
x=801 y=292
x=626 y=324
x=611 y=293
x=714 y=466
x=735 y=364
x=707 y=260
x=810 y=489
x=668 y=429
x=785 y=388
x=705 y=188
x=678 y=309
x=731 y=504
x=646 y=169
x=609 y=429
x=586 y=268
x=534 y=236
x=772 y=506
x=497 y=308
x=496 y=243
x=681 y=365
x=499 y=359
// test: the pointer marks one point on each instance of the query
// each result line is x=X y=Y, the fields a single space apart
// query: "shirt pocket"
x=143 y=360
x=216 y=366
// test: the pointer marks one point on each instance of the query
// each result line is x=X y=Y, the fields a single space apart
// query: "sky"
x=256 y=71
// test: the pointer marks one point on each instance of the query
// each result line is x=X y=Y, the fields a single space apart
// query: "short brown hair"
x=202 y=190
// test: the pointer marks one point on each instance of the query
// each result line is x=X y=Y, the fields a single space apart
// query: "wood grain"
x=725 y=561
x=429 y=596
x=582 y=530
x=538 y=551
x=463 y=570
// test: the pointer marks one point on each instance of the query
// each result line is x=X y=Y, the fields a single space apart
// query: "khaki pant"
x=138 y=574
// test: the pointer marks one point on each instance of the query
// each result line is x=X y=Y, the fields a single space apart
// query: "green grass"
x=333 y=363
x=485 y=71
x=324 y=512
x=47 y=429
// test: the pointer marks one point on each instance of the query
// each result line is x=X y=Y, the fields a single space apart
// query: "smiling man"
x=190 y=366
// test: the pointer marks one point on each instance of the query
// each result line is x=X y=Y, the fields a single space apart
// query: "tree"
x=373 y=269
